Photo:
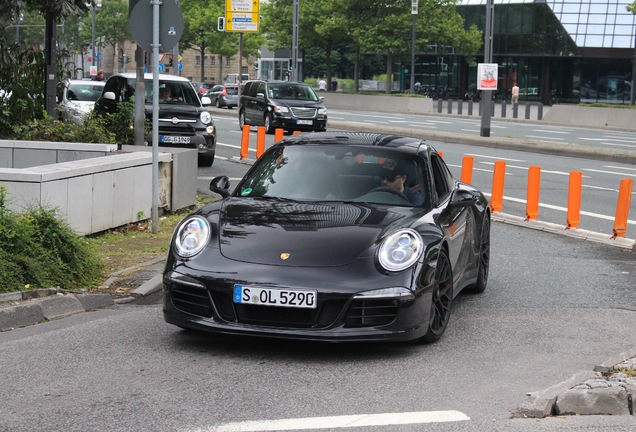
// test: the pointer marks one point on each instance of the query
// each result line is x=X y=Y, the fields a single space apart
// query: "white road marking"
x=609 y=172
x=495 y=157
x=545 y=137
x=620 y=168
x=550 y=131
x=346 y=421
x=612 y=139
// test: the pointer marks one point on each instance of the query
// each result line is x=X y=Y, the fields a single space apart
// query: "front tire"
x=241 y=119
x=441 y=300
x=484 y=259
x=267 y=121
x=206 y=161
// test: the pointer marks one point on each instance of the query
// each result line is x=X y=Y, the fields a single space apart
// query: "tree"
x=632 y=7
x=111 y=24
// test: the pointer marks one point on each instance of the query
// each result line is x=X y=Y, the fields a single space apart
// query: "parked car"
x=224 y=95
x=317 y=242
x=281 y=104
x=76 y=99
x=183 y=121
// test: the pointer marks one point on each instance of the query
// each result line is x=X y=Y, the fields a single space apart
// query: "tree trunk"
x=202 y=51
x=328 y=67
x=356 y=72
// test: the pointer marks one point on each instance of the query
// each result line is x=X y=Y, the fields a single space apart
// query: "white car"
x=76 y=99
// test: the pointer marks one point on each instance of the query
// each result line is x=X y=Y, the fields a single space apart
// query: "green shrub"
x=92 y=130
x=39 y=250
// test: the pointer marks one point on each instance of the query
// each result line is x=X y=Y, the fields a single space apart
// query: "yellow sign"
x=241 y=15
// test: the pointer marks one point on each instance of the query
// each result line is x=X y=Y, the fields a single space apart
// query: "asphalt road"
x=555 y=306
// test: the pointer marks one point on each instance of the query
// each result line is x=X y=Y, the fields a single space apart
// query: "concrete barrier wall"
x=596 y=117
x=104 y=192
x=25 y=154
x=405 y=105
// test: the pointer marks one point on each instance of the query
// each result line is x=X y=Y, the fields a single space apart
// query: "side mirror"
x=321 y=99
x=109 y=96
x=221 y=185
x=260 y=95
x=206 y=101
x=462 y=198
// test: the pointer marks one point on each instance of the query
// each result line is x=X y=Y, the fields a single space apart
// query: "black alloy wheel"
x=441 y=301
x=484 y=259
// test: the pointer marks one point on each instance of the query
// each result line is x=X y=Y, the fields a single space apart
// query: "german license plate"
x=275 y=297
x=175 y=139
x=304 y=122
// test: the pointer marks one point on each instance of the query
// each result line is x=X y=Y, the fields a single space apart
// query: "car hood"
x=82 y=106
x=303 y=234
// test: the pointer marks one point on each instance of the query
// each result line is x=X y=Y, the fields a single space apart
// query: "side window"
x=261 y=88
x=442 y=177
x=250 y=89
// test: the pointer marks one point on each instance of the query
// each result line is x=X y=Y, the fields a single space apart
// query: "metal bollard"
x=527 y=111
x=540 y=112
x=439 y=105
x=460 y=106
x=503 y=109
x=515 y=110
x=450 y=107
x=470 y=107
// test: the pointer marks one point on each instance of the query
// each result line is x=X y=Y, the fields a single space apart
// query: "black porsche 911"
x=331 y=237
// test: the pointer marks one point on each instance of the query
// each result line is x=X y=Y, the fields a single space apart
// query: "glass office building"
x=568 y=51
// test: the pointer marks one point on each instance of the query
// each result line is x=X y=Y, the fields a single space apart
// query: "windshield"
x=291 y=91
x=172 y=92
x=336 y=173
x=84 y=92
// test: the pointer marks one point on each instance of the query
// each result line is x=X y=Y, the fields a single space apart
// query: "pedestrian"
x=322 y=85
x=515 y=93
x=334 y=85
x=99 y=76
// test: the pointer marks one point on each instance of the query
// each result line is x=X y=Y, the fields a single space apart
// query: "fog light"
x=210 y=130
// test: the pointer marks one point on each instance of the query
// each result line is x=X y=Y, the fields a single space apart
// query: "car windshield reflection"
x=336 y=173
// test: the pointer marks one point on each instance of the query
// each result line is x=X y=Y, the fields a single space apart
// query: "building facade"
x=571 y=51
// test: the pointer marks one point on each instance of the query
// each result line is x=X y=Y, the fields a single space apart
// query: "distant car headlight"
x=322 y=111
x=281 y=109
x=400 y=250
x=205 y=117
x=192 y=236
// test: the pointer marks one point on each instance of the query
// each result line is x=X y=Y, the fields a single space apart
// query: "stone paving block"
x=20 y=316
x=594 y=401
x=94 y=301
x=60 y=306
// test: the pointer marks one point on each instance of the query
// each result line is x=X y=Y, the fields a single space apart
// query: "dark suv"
x=183 y=121
x=281 y=104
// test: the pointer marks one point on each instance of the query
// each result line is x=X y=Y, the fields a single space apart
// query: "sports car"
x=334 y=237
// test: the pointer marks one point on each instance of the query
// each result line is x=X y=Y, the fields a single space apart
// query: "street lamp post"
x=414 y=5
x=94 y=6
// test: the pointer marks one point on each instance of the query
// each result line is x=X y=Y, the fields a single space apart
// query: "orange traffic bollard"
x=574 y=199
x=245 y=141
x=279 y=134
x=622 y=207
x=260 y=141
x=467 y=169
x=296 y=132
x=534 y=184
x=496 y=199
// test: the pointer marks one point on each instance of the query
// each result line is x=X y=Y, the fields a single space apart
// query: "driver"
x=394 y=175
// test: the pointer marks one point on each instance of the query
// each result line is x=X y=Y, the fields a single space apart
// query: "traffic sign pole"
x=155 y=115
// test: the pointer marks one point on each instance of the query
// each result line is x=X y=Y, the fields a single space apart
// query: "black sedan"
x=331 y=237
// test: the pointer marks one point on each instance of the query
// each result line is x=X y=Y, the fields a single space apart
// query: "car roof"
x=405 y=144
x=149 y=76
x=85 y=82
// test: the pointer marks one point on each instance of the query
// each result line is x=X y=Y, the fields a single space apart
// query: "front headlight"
x=281 y=109
x=205 y=117
x=192 y=236
x=322 y=111
x=400 y=250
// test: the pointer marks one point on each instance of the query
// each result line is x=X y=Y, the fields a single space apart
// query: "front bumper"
x=203 y=301
x=292 y=123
